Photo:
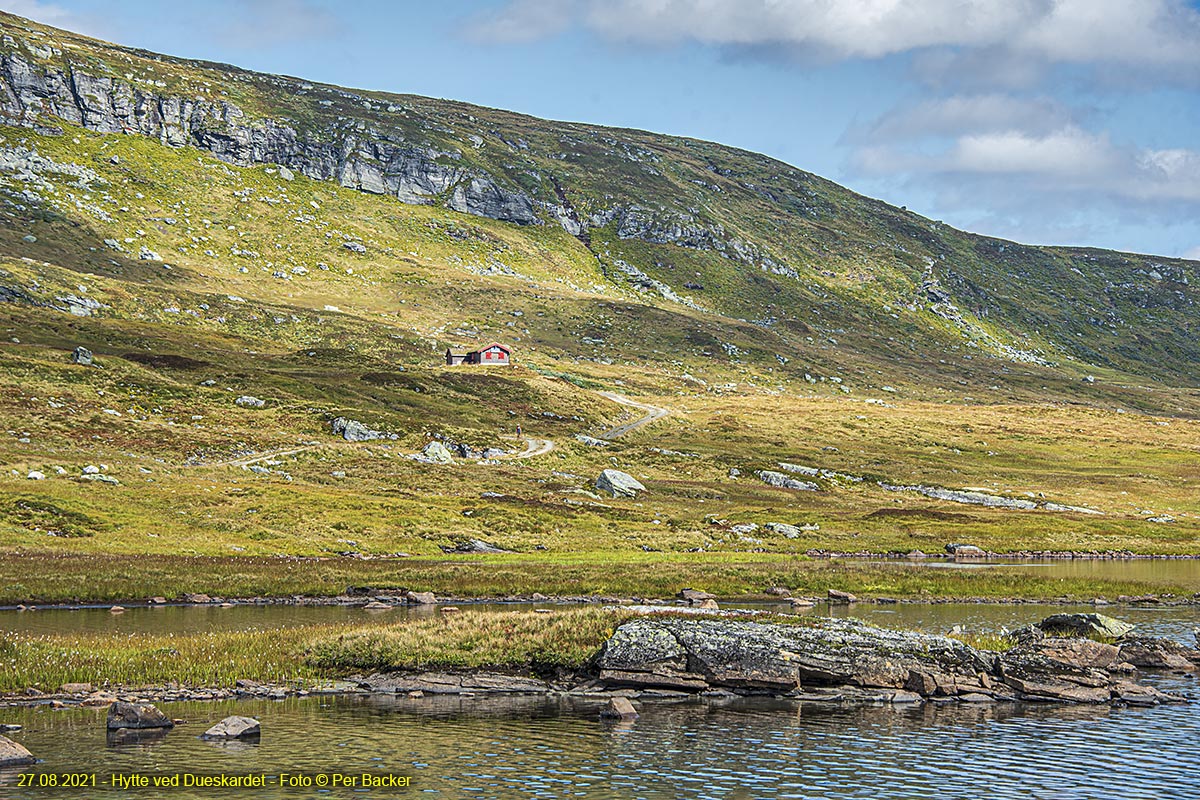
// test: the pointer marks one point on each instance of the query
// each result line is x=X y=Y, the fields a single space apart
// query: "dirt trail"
x=533 y=447
x=652 y=413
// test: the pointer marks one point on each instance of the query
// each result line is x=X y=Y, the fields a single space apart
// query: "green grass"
x=199 y=660
x=471 y=640
x=177 y=346
x=43 y=578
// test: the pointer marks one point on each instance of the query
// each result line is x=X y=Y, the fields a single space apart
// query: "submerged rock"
x=453 y=683
x=13 y=754
x=127 y=715
x=619 y=708
x=234 y=728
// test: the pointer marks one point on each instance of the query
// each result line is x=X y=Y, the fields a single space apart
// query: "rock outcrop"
x=781 y=481
x=436 y=453
x=847 y=658
x=354 y=431
x=618 y=483
x=122 y=715
x=369 y=157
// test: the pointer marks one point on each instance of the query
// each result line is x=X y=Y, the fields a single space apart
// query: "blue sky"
x=1045 y=121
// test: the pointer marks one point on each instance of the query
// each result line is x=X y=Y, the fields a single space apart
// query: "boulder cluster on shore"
x=841 y=660
x=699 y=652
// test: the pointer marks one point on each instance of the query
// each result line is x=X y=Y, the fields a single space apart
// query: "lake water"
x=739 y=750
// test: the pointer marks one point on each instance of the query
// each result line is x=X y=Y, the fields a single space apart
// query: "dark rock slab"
x=454 y=683
x=123 y=715
x=1084 y=625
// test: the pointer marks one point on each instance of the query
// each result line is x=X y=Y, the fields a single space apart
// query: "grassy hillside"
x=793 y=321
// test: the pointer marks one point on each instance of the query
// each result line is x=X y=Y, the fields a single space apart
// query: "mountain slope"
x=702 y=225
x=213 y=235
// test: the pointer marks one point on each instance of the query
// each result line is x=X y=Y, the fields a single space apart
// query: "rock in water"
x=437 y=453
x=838 y=596
x=968 y=550
x=420 y=598
x=13 y=754
x=619 y=708
x=619 y=484
x=127 y=715
x=82 y=356
x=234 y=728
x=1084 y=625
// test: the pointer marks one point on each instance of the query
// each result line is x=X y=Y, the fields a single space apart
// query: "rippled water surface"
x=550 y=748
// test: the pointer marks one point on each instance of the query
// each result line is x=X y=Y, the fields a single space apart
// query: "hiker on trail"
x=518 y=429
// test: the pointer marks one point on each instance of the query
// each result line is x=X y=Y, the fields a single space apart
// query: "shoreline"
x=655 y=652
x=451 y=602
x=68 y=581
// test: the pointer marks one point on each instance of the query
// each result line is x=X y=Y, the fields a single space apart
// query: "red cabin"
x=492 y=354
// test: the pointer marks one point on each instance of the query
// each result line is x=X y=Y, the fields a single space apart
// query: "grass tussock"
x=214 y=659
x=472 y=639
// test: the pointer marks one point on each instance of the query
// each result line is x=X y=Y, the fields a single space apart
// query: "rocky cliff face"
x=372 y=160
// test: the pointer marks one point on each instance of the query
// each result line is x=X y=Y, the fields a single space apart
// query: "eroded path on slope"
x=534 y=447
x=652 y=413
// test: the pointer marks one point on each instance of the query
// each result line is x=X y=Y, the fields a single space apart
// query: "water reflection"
x=529 y=747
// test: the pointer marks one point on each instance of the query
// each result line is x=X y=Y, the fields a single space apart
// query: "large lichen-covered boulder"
x=619 y=484
x=1084 y=625
x=122 y=715
x=437 y=453
x=847 y=658
x=13 y=754
x=354 y=431
x=700 y=653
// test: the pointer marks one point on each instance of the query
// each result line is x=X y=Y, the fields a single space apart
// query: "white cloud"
x=1063 y=161
x=959 y=114
x=522 y=21
x=1068 y=153
x=1161 y=33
